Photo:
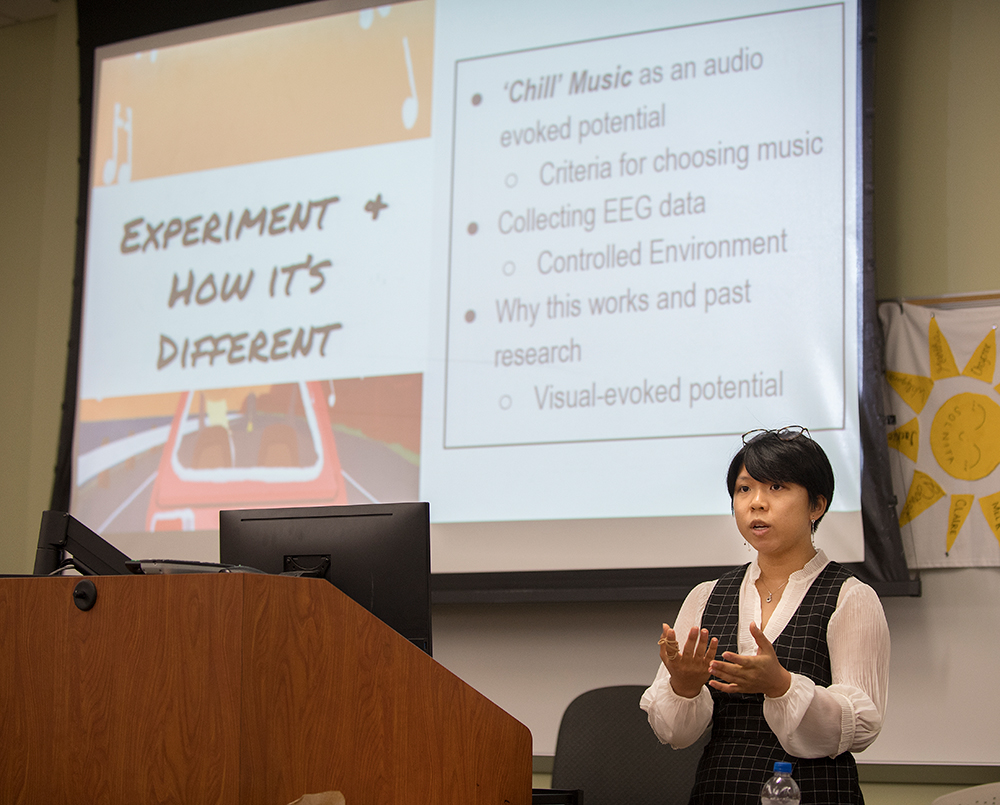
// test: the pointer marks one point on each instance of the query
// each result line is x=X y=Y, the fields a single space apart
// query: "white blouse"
x=809 y=721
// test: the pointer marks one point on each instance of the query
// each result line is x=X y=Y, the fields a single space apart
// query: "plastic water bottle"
x=781 y=789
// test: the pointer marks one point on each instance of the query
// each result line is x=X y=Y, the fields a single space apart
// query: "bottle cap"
x=782 y=768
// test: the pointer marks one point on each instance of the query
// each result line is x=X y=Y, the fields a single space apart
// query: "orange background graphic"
x=300 y=88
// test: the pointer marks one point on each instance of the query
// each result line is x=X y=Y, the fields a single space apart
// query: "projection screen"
x=540 y=264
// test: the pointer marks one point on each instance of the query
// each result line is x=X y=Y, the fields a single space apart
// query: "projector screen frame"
x=104 y=22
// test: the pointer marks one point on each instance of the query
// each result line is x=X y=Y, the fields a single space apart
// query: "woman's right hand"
x=688 y=667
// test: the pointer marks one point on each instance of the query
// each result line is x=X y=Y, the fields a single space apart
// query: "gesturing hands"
x=689 y=669
x=744 y=673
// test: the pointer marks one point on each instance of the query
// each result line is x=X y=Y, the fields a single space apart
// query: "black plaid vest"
x=740 y=756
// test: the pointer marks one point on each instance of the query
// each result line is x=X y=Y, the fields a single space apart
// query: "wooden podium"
x=235 y=689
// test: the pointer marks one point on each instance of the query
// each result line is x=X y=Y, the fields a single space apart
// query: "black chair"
x=606 y=748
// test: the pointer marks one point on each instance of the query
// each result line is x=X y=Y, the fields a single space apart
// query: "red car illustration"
x=249 y=447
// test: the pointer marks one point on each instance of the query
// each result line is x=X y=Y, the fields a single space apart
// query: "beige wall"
x=937 y=132
x=39 y=141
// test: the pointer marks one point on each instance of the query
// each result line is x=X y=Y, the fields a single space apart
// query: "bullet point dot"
x=511 y=180
x=509 y=268
x=477 y=99
x=505 y=402
x=473 y=228
x=470 y=316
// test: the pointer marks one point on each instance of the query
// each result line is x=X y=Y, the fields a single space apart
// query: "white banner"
x=943 y=391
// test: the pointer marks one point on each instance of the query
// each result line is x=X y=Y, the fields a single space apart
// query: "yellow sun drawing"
x=964 y=433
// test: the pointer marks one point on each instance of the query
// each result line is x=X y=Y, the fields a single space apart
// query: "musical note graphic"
x=112 y=171
x=411 y=105
x=367 y=15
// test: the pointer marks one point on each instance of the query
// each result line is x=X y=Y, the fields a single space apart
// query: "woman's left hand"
x=759 y=673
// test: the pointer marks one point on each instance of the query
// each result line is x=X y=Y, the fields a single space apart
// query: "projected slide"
x=536 y=263
x=622 y=208
x=255 y=234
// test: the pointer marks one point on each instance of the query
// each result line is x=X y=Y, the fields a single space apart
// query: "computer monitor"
x=64 y=540
x=377 y=554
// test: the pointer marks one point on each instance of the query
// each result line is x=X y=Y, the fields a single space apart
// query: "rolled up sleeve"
x=675 y=719
x=812 y=721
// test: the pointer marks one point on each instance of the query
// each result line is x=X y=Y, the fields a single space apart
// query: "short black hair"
x=786 y=456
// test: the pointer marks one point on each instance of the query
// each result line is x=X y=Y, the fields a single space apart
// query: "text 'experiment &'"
x=302 y=276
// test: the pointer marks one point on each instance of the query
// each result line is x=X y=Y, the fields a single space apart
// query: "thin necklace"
x=768 y=599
